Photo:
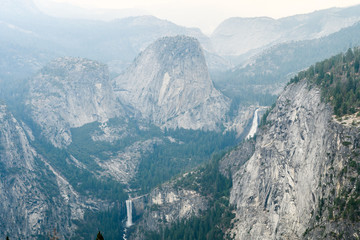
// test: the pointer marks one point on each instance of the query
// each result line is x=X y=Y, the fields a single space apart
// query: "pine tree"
x=99 y=236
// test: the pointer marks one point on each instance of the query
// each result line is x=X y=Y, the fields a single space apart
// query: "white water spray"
x=254 y=125
x=124 y=235
x=129 y=222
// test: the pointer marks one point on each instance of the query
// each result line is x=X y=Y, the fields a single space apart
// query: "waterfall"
x=129 y=213
x=254 y=125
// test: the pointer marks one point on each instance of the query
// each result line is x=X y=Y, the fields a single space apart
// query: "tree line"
x=339 y=79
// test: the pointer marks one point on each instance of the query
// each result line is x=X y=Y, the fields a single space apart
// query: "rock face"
x=174 y=204
x=34 y=197
x=337 y=215
x=122 y=165
x=273 y=190
x=232 y=161
x=68 y=93
x=277 y=191
x=169 y=84
x=169 y=204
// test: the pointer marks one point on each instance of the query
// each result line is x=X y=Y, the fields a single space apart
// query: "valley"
x=144 y=129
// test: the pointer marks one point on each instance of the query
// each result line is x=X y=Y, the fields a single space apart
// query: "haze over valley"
x=134 y=127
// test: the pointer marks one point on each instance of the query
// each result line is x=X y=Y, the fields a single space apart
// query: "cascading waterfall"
x=254 y=125
x=129 y=222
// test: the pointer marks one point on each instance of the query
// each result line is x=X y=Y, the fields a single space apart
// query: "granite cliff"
x=166 y=205
x=69 y=93
x=294 y=170
x=169 y=85
x=35 y=197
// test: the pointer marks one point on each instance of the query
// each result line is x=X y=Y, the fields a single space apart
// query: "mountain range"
x=238 y=36
x=95 y=113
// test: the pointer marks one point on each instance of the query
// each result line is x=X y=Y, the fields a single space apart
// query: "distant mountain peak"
x=238 y=36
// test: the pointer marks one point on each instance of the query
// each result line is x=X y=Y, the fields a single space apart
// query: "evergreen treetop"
x=99 y=236
x=339 y=79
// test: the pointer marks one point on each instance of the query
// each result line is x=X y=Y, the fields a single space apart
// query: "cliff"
x=167 y=205
x=69 y=93
x=294 y=172
x=34 y=196
x=169 y=85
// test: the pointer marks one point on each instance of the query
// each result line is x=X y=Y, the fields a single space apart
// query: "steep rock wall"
x=278 y=191
x=169 y=84
x=68 y=93
x=34 y=197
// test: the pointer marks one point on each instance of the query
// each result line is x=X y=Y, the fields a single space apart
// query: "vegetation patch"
x=212 y=223
x=339 y=79
x=345 y=143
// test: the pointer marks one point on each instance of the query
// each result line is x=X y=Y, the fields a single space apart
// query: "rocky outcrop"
x=34 y=197
x=168 y=204
x=169 y=84
x=337 y=213
x=122 y=165
x=273 y=190
x=233 y=160
x=278 y=191
x=68 y=93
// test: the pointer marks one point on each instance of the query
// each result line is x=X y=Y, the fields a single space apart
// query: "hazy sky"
x=207 y=14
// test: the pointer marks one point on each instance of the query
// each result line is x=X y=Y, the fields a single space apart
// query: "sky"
x=207 y=14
